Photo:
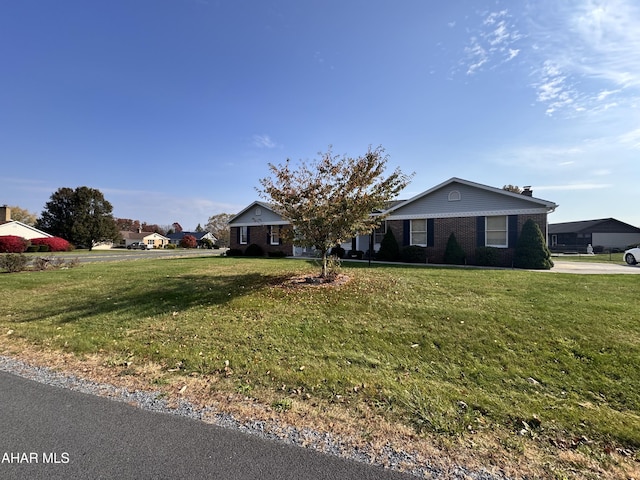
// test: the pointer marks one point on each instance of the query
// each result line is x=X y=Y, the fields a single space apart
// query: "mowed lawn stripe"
x=446 y=351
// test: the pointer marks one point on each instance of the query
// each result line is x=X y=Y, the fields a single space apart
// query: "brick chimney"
x=526 y=190
x=5 y=214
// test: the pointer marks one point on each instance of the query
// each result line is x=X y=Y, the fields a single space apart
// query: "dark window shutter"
x=430 y=232
x=406 y=232
x=238 y=235
x=269 y=227
x=279 y=235
x=513 y=231
x=248 y=237
x=480 y=223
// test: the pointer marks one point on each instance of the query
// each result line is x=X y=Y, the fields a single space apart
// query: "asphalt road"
x=52 y=433
x=123 y=254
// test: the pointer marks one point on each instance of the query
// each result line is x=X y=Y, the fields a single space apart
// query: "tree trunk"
x=323 y=274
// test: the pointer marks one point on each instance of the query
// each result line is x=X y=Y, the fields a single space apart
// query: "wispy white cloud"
x=583 y=55
x=492 y=43
x=264 y=141
x=631 y=139
x=589 y=53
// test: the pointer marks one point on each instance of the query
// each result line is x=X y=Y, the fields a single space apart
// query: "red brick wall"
x=259 y=235
x=465 y=231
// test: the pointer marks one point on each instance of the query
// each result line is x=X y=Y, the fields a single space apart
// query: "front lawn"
x=617 y=258
x=516 y=360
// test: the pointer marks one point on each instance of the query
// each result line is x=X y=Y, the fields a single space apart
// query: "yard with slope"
x=528 y=372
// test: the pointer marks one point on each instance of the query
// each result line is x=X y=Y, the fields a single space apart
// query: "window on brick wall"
x=496 y=231
x=419 y=232
x=274 y=234
x=243 y=235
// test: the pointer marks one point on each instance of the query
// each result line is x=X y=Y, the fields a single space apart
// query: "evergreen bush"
x=531 y=250
x=389 y=248
x=413 y=254
x=338 y=252
x=234 y=252
x=254 y=250
x=206 y=243
x=487 y=257
x=454 y=254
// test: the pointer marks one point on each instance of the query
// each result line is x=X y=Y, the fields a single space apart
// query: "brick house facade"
x=478 y=215
x=467 y=235
x=259 y=225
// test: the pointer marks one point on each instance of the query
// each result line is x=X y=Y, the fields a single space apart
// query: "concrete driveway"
x=564 y=266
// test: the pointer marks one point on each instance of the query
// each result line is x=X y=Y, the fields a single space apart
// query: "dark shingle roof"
x=602 y=225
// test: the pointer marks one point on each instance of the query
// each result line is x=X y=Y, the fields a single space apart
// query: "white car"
x=632 y=256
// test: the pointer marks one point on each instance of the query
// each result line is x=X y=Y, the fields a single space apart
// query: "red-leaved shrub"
x=188 y=241
x=13 y=244
x=55 y=244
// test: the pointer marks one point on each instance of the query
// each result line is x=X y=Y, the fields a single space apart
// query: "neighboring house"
x=605 y=233
x=478 y=215
x=19 y=229
x=259 y=224
x=150 y=239
x=175 y=238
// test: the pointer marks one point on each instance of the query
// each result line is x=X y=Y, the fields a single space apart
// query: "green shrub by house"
x=487 y=257
x=413 y=254
x=389 y=248
x=531 y=250
x=454 y=254
x=254 y=250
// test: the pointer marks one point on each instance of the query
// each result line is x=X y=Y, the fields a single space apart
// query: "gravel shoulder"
x=392 y=459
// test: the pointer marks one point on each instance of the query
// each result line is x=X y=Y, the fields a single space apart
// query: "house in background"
x=150 y=239
x=260 y=224
x=19 y=229
x=478 y=215
x=605 y=233
x=174 y=238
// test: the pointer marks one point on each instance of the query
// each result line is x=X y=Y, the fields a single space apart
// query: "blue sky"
x=174 y=108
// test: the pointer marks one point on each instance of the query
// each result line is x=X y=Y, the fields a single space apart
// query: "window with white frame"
x=243 y=235
x=275 y=234
x=496 y=231
x=419 y=232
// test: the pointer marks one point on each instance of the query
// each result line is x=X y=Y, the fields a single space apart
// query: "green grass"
x=617 y=258
x=443 y=350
